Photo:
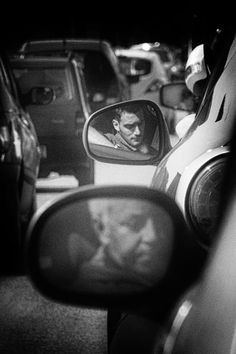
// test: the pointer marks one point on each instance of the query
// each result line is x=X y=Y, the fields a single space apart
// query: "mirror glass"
x=130 y=131
x=177 y=96
x=106 y=245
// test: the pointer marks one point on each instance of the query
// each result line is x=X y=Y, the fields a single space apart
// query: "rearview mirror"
x=177 y=96
x=130 y=132
x=114 y=245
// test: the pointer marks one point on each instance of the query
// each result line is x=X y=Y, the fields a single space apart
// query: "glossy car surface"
x=19 y=166
x=191 y=172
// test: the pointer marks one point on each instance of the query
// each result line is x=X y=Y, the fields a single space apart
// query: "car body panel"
x=212 y=128
x=19 y=166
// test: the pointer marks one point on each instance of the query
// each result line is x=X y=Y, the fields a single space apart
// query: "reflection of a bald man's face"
x=134 y=239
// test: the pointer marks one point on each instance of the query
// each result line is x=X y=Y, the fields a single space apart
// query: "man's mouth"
x=137 y=139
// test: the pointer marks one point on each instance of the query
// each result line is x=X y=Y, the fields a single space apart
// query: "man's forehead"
x=118 y=207
x=128 y=209
x=132 y=117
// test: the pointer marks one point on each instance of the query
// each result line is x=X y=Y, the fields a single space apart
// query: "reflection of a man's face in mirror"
x=130 y=126
x=133 y=240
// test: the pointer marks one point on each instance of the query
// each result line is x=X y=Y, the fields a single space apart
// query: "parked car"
x=171 y=57
x=58 y=109
x=105 y=82
x=185 y=304
x=19 y=166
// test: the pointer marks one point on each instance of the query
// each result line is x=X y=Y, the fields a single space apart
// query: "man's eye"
x=99 y=226
x=135 y=224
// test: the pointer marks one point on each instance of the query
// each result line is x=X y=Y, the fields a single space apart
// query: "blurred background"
x=121 y=23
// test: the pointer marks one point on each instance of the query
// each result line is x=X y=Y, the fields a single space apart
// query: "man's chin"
x=136 y=145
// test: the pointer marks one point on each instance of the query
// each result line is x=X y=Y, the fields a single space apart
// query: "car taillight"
x=203 y=199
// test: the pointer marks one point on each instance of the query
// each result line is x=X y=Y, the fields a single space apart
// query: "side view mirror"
x=129 y=132
x=41 y=95
x=111 y=246
x=177 y=96
x=134 y=67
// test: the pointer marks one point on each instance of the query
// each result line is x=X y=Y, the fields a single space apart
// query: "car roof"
x=137 y=53
x=39 y=59
x=67 y=44
x=141 y=54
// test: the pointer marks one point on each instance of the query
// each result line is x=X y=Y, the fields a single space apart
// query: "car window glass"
x=135 y=66
x=143 y=66
x=99 y=72
x=100 y=79
x=55 y=78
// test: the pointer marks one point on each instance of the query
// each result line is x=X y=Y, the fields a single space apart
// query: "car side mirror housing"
x=121 y=246
x=177 y=96
x=131 y=132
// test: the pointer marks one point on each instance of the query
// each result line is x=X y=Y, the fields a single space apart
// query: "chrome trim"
x=181 y=315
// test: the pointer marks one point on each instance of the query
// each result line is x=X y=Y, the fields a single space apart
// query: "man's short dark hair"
x=132 y=108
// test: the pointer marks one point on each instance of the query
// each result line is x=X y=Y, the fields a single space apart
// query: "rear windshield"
x=55 y=78
x=135 y=66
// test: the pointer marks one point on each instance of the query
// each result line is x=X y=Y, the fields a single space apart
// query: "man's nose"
x=137 y=130
x=149 y=232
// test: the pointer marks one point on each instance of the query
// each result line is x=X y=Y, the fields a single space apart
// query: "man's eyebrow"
x=129 y=124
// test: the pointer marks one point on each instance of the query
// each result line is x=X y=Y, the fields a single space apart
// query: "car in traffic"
x=84 y=76
x=59 y=110
x=191 y=171
x=172 y=58
x=185 y=303
x=146 y=74
x=106 y=83
x=19 y=167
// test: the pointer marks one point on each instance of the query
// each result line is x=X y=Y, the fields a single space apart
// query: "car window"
x=99 y=74
x=55 y=78
x=135 y=66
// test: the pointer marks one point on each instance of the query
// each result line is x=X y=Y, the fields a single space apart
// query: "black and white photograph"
x=117 y=178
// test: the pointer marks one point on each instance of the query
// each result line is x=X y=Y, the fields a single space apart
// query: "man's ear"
x=116 y=125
